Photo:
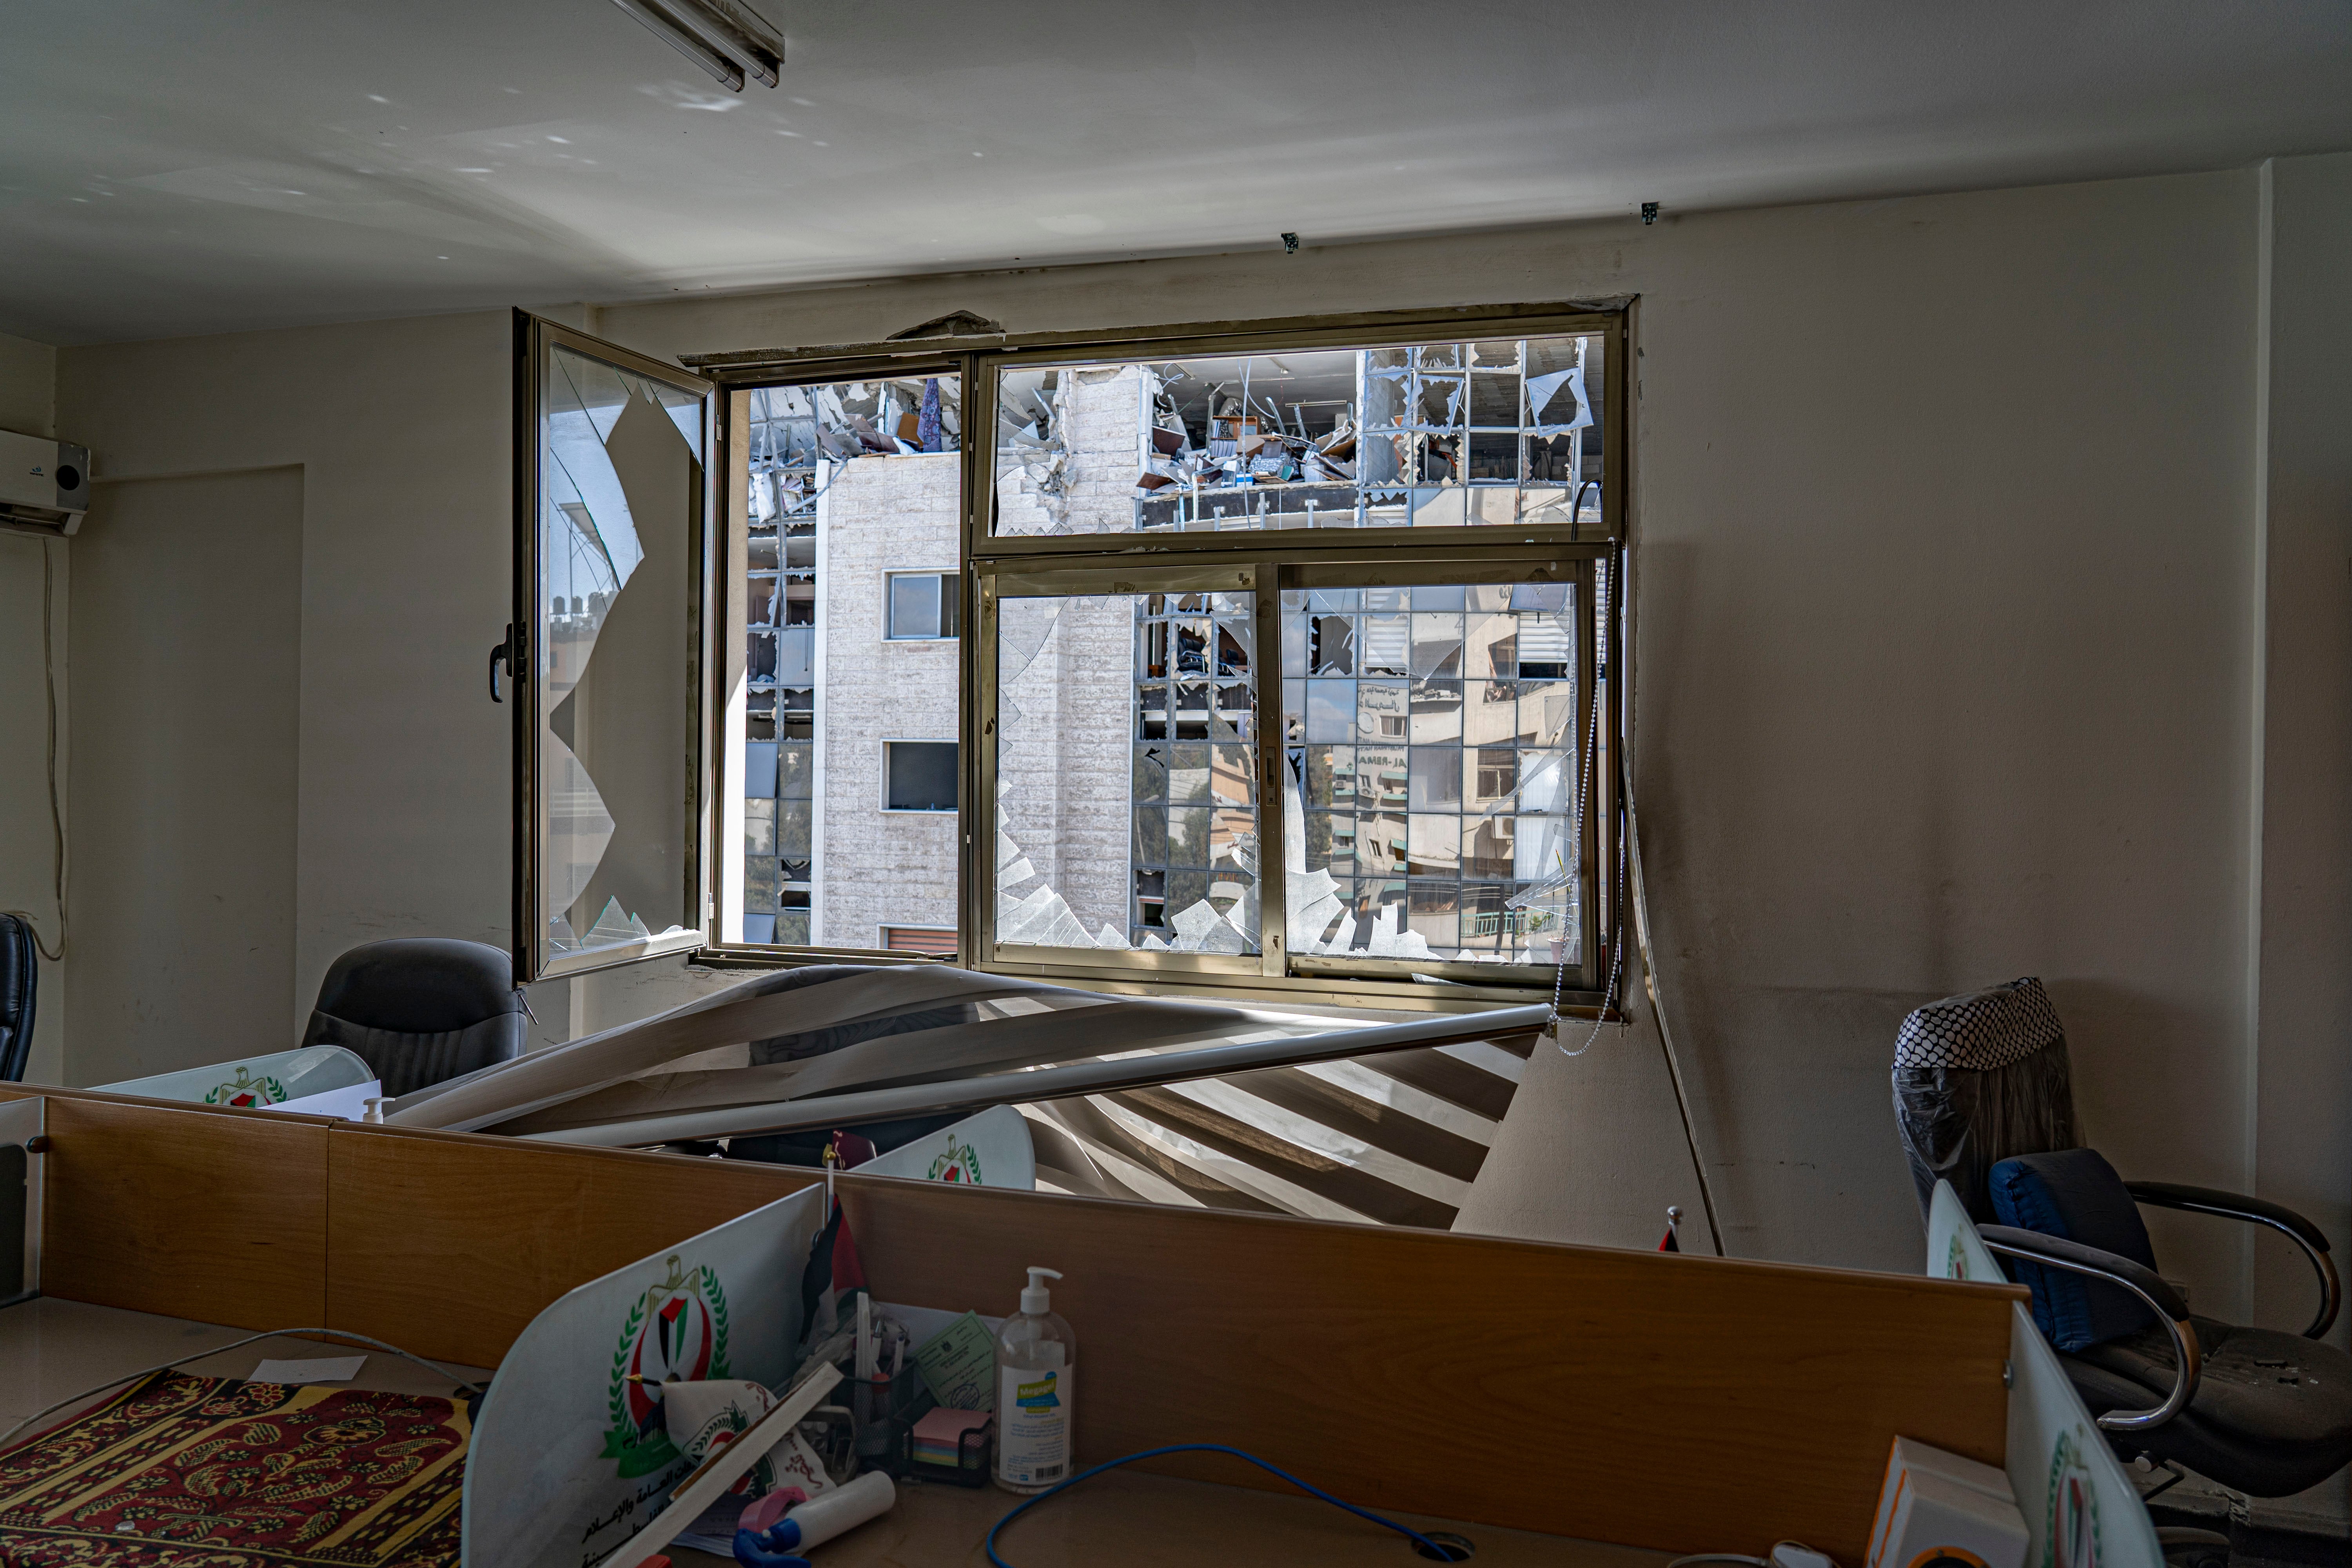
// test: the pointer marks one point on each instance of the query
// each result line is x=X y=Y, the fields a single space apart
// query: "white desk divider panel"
x=320 y=1079
x=990 y=1150
x=21 y=1121
x=2080 y=1509
x=568 y=1458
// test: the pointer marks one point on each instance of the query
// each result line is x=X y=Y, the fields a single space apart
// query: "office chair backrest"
x=19 y=981
x=420 y=1010
x=1978 y=1079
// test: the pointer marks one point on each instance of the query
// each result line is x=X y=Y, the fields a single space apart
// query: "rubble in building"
x=1442 y=434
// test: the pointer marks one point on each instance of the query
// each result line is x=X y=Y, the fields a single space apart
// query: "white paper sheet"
x=326 y=1369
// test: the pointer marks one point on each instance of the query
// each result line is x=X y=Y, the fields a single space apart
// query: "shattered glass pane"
x=1437 y=814
x=1313 y=439
x=1174 y=758
x=619 y=508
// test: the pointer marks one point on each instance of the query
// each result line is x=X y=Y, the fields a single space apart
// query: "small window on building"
x=935 y=941
x=922 y=607
x=919 y=775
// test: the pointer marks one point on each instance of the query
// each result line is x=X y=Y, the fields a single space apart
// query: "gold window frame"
x=1262 y=562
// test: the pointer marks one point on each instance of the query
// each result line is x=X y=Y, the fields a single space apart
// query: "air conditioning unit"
x=43 y=485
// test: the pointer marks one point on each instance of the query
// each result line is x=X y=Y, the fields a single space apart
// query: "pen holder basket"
x=884 y=1410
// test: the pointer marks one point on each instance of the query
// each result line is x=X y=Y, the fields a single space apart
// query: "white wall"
x=186 y=611
x=2298 y=1148
x=1951 y=602
x=27 y=841
x=400 y=432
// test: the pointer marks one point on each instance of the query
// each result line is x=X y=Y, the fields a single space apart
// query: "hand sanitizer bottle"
x=1036 y=1355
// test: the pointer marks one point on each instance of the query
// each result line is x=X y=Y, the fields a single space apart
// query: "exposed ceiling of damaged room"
x=178 y=166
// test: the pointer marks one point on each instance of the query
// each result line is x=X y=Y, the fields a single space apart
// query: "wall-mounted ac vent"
x=44 y=484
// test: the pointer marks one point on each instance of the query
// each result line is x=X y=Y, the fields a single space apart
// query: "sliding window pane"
x=1434 y=740
x=1125 y=776
x=1433 y=435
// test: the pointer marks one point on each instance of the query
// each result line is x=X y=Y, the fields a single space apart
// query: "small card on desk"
x=326 y=1369
x=957 y=1362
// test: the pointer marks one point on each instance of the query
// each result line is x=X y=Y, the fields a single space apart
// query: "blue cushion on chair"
x=2074 y=1193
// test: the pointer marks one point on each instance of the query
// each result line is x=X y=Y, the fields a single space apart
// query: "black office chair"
x=420 y=1010
x=1984 y=1099
x=19 y=981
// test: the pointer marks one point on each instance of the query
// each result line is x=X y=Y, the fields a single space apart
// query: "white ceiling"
x=178 y=166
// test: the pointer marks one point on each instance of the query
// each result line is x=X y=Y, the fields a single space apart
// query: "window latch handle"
x=504 y=652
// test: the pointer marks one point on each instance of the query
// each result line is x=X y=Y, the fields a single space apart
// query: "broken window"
x=1498 y=433
x=1437 y=784
x=611 y=528
x=1126 y=775
x=1435 y=803
x=1354 y=766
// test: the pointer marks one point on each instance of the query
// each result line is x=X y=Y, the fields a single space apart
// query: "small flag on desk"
x=834 y=1278
x=1671 y=1241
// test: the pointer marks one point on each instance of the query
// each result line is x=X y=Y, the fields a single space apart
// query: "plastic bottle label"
x=1033 y=1425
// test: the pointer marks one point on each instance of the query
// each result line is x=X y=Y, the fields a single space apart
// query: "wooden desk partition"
x=192 y=1211
x=1685 y=1404
x=448 y=1243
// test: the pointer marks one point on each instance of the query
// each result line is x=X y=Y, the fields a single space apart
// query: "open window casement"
x=615 y=505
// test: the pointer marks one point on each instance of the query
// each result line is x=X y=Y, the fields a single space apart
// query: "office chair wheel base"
x=2187 y=1548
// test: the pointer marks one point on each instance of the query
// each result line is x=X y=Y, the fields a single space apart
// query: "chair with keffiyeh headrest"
x=1984 y=1099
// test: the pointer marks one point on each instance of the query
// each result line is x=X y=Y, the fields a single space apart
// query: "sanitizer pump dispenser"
x=1036 y=1359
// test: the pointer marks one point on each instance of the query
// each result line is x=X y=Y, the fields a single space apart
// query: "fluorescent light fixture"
x=725 y=38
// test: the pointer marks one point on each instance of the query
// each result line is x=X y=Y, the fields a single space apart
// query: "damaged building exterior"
x=1432 y=768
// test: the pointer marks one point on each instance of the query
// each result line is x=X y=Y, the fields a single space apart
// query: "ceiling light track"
x=725 y=38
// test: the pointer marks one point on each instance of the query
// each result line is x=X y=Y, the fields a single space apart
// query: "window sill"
x=1316 y=994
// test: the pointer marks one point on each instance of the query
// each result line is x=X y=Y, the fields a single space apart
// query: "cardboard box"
x=1936 y=1505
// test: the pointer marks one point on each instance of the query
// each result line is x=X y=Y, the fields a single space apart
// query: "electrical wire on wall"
x=56 y=808
x=1632 y=901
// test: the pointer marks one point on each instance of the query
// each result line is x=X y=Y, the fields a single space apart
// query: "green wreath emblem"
x=641 y=1454
x=2065 y=1455
x=270 y=1091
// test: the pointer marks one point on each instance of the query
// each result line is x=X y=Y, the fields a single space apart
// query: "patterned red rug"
x=195 y=1472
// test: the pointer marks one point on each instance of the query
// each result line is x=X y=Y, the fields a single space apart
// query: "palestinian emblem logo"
x=247 y=1091
x=676 y=1332
x=2073 y=1518
x=959 y=1164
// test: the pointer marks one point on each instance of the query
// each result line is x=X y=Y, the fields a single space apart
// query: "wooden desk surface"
x=51 y=1347
x=1138 y=1520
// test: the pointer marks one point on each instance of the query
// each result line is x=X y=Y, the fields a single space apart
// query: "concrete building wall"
x=1063 y=766
x=883 y=868
x=1102 y=412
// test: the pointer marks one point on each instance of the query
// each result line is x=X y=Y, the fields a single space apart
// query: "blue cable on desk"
x=1428 y=1547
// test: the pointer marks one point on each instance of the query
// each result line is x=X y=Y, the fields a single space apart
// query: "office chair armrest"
x=2056 y=1252
x=2256 y=1211
x=2235 y=1206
